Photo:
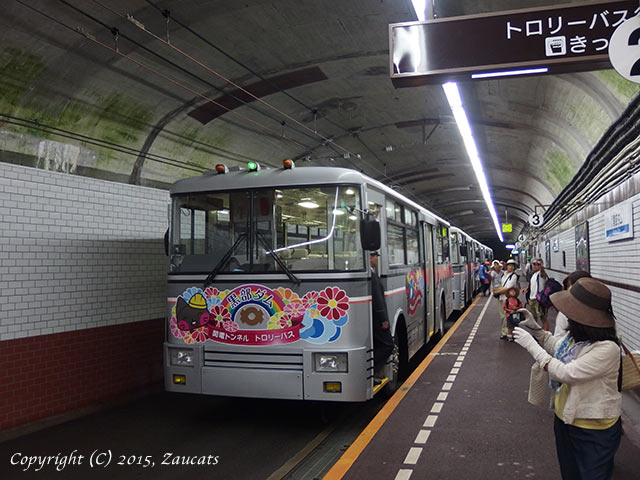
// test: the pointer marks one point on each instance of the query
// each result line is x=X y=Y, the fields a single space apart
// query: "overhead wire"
x=238 y=62
x=114 y=31
x=148 y=68
x=142 y=27
x=326 y=142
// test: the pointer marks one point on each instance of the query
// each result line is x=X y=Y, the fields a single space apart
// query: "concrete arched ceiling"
x=113 y=101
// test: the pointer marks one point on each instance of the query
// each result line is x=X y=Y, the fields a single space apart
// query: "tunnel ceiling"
x=85 y=90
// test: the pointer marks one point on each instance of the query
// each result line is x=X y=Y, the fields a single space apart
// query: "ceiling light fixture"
x=307 y=203
x=510 y=73
x=455 y=102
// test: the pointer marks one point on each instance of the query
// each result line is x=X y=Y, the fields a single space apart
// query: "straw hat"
x=588 y=302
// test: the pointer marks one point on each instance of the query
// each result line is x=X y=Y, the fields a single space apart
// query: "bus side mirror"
x=463 y=250
x=370 y=234
x=166 y=243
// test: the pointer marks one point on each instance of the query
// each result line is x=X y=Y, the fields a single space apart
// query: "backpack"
x=550 y=287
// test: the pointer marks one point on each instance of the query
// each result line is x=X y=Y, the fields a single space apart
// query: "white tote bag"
x=538 y=386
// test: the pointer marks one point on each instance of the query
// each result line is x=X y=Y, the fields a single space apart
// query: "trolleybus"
x=269 y=282
x=466 y=254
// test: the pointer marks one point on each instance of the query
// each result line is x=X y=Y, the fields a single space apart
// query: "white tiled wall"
x=566 y=243
x=616 y=262
x=77 y=252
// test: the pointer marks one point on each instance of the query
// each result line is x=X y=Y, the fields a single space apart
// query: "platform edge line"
x=348 y=458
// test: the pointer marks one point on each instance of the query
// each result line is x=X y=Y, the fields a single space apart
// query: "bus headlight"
x=181 y=357
x=330 y=362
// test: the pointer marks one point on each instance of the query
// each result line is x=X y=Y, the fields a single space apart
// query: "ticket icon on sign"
x=555 y=46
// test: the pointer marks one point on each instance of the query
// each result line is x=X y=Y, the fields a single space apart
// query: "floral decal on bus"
x=415 y=287
x=258 y=315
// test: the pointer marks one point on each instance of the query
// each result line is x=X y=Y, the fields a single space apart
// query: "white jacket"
x=592 y=378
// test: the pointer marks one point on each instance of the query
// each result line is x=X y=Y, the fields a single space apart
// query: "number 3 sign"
x=624 y=49
x=536 y=219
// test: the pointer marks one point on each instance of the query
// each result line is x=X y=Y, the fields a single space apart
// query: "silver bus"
x=466 y=256
x=269 y=282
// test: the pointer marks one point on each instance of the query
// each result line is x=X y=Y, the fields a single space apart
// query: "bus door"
x=429 y=278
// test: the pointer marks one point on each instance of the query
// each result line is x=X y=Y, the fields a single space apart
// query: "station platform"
x=464 y=414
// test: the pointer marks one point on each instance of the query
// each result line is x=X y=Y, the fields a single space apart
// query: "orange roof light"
x=221 y=168
x=288 y=164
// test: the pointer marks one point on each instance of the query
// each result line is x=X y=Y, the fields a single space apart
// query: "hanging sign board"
x=567 y=38
x=624 y=49
x=618 y=222
x=536 y=220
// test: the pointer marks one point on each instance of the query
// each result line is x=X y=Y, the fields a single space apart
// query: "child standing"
x=511 y=306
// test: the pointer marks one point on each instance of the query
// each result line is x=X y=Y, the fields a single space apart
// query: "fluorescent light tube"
x=510 y=73
x=420 y=7
x=455 y=101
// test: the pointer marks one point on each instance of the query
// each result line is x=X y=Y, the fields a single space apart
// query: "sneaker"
x=512 y=338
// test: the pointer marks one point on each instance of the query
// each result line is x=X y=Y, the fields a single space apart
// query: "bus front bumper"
x=267 y=375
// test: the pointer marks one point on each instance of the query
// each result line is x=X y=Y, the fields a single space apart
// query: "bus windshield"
x=310 y=229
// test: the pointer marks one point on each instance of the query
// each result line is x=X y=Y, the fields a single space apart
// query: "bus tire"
x=439 y=328
x=400 y=339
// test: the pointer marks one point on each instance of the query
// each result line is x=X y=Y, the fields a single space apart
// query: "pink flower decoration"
x=310 y=297
x=295 y=310
x=175 y=331
x=333 y=303
x=220 y=314
x=230 y=326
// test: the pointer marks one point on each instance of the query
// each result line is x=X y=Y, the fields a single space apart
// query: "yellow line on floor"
x=357 y=447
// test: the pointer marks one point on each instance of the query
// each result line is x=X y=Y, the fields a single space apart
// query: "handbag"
x=538 y=386
x=630 y=369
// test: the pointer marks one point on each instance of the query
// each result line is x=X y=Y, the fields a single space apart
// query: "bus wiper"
x=223 y=261
x=278 y=260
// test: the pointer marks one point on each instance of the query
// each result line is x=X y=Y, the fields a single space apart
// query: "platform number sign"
x=536 y=220
x=624 y=49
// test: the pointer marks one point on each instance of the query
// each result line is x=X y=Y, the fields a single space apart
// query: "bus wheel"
x=399 y=359
x=439 y=328
x=394 y=380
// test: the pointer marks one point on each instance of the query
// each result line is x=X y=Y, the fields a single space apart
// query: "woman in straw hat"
x=584 y=372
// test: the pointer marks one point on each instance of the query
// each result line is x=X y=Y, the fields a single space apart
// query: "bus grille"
x=253 y=361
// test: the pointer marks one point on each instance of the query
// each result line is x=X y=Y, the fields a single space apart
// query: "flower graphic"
x=173 y=325
x=295 y=309
x=278 y=320
x=333 y=303
x=287 y=295
x=230 y=326
x=214 y=296
x=199 y=335
x=310 y=297
x=220 y=314
x=314 y=313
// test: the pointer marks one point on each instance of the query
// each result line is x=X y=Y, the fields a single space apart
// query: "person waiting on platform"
x=508 y=280
x=511 y=306
x=584 y=373
x=382 y=339
x=483 y=276
x=536 y=285
x=562 y=322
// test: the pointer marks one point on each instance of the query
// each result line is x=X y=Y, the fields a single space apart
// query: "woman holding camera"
x=584 y=373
